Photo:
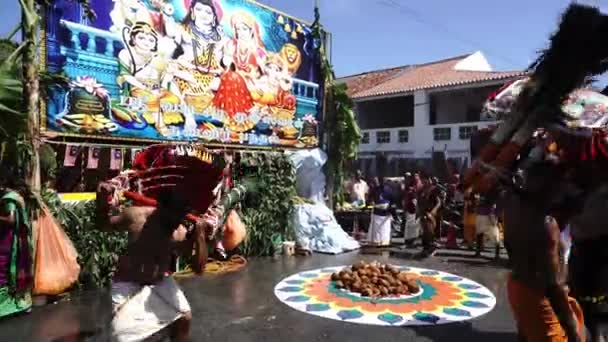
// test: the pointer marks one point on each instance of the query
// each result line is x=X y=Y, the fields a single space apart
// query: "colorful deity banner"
x=217 y=71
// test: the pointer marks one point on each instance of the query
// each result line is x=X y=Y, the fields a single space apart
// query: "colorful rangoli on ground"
x=443 y=298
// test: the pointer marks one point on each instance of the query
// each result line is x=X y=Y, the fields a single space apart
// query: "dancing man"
x=145 y=300
x=537 y=284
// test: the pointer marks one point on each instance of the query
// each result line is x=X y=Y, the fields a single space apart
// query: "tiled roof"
x=368 y=80
x=431 y=75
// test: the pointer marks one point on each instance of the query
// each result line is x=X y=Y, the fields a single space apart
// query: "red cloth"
x=233 y=95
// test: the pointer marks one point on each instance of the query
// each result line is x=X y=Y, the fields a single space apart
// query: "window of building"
x=383 y=137
x=365 y=138
x=442 y=133
x=404 y=136
x=473 y=113
x=465 y=132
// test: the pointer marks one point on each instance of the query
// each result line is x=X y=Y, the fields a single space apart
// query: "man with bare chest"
x=536 y=286
x=145 y=300
x=429 y=203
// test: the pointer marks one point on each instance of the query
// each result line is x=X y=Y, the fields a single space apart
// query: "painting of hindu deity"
x=216 y=71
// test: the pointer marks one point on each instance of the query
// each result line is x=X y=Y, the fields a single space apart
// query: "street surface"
x=241 y=306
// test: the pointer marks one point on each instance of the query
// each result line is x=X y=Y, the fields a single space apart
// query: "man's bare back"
x=154 y=235
x=534 y=242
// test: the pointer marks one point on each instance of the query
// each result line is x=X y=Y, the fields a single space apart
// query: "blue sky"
x=371 y=34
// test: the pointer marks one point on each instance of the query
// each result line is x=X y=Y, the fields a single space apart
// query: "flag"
x=71 y=153
x=116 y=159
x=134 y=153
x=93 y=160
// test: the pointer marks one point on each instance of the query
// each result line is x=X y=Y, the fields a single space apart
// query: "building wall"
x=427 y=133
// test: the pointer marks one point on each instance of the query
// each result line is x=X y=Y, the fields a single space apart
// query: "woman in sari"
x=15 y=254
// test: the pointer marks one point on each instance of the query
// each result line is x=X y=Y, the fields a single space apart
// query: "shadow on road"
x=464 y=332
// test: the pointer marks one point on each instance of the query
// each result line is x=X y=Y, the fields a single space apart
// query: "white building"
x=407 y=112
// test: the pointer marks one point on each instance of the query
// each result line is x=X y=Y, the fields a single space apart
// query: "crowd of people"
x=420 y=207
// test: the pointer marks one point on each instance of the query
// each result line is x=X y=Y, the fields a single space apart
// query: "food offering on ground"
x=376 y=280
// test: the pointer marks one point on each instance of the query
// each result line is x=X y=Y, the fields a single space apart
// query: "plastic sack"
x=234 y=231
x=56 y=258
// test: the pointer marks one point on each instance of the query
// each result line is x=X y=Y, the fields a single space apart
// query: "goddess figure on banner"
x=141 y=77
x=246 y=50
x=244 y=54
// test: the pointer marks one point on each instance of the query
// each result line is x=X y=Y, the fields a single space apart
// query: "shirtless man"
x=588 y=267
x=145 y=300
x=429 y=203
x=536 y=286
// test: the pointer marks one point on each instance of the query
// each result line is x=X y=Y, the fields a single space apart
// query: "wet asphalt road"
x=241 y=306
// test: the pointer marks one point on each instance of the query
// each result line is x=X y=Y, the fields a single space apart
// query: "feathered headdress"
x=577 y=52
x=191 y=170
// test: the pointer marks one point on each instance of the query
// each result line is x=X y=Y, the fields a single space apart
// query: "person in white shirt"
x=358 y=190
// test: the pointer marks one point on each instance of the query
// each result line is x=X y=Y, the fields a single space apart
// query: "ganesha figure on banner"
x=141 y=75
x=202 y=41
x=273 y=89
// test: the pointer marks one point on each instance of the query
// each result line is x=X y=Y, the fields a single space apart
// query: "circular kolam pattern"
x=443 y=298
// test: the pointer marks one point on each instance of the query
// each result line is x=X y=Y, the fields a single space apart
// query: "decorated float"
x=235 y=78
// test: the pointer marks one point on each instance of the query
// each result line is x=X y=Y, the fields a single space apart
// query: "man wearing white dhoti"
x=145 y=300
x=379 y=233
x=140 y=311
x=411 y=230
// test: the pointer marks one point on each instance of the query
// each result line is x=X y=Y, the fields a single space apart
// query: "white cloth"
x=379 y=233
x=317 y=230
x=310 y=179
x=141 y=311
x=412 y=227
x=488 y=226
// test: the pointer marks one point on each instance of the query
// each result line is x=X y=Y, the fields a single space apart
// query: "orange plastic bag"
x=234 y=231
x=56 y=258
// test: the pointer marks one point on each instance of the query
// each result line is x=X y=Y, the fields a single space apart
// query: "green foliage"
x=268 y=215
x=48 y=162
x=98 y=251
x=344 y=136
x=340 y=120
x=267 y=212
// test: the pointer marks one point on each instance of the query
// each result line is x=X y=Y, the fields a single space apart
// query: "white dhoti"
x=141 y=311
x=379 y=233
x=488 y=226
x=412 y=227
